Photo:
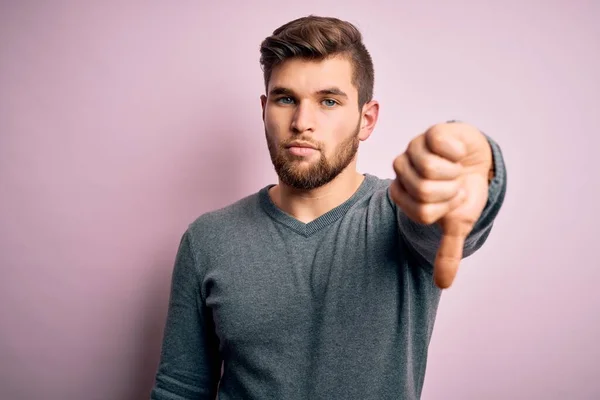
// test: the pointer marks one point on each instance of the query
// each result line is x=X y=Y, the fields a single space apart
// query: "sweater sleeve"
x=424 y=240
x=189 y=366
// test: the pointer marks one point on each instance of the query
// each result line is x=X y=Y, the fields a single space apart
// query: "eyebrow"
x=334 y=91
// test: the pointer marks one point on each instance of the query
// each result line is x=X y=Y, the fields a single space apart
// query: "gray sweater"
x=340 y=308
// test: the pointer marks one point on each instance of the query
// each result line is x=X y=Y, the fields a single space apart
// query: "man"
x=326 y=285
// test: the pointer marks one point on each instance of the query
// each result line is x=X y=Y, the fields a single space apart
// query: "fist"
x=442 y=178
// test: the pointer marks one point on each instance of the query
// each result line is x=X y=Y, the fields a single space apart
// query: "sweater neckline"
x=308 y=229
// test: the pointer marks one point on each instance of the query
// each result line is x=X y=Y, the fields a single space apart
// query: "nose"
x=304 y=118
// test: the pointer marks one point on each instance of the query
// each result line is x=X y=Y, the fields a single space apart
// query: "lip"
x=302 y=151
x=301 y=145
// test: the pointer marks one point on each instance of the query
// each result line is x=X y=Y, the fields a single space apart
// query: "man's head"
x=319 y=87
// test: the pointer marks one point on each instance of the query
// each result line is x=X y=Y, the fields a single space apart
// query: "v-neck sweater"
x=264 y=306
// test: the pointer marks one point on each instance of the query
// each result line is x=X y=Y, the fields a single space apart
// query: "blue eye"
x=285 y=100
x=329 y=102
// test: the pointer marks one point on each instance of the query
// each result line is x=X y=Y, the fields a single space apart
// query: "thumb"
x=449 y=254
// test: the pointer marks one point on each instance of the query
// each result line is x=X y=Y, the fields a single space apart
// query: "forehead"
x=309 y=76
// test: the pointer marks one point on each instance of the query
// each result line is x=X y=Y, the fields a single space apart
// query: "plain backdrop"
x=122 y=121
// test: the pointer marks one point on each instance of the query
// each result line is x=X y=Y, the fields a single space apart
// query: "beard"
x=319 y=172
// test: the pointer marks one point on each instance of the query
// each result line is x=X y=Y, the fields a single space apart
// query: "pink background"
x=121 y=123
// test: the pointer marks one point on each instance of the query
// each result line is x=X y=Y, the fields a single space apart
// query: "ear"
x=263 y=102
x=369 y=115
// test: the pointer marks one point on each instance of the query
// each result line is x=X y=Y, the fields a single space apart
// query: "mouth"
x=301 y=149
x=301 y=145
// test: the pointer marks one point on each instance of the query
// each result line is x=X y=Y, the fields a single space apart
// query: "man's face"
x=312 y=103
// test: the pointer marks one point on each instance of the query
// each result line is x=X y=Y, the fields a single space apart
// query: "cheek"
x=340 y=121
x=342 y=127
x=273 y=128
x=275 y=120
x=340 y=134
x=274 y=131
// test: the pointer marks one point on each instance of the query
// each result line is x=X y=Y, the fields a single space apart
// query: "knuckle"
x=434 y=130
x=424 y=191
x=395 y=193
x=397 y=165
x=436 y=138
x=424 y=215
x=428 y=168
x=412 y=147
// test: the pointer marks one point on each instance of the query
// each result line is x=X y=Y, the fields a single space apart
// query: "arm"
x=424 y=239
x=189 y=365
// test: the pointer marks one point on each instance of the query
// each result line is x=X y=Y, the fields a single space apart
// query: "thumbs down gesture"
x=443 y=178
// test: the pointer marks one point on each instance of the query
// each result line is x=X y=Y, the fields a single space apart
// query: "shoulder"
x=382 y=183
x=380 y=192
x=218 y=222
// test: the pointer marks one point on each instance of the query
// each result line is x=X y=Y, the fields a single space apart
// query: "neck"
x=308 y=205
